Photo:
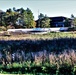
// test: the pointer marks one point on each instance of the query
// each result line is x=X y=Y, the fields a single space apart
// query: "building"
x=58 y=21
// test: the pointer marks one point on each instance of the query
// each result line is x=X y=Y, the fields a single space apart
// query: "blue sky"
x=49 y=7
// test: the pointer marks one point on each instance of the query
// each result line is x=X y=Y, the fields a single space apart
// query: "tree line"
x=24 y=18
x=21 y=18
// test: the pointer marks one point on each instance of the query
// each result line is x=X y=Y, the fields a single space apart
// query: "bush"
x=2 y=28
x=72 y=29
x=10 y=27
x=74 y=70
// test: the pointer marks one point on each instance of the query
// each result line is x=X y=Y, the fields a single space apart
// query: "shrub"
x=10 y=27
x=2 y=28
x=74 y=70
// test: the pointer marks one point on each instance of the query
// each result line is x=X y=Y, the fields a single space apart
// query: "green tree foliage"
x=41 y=16
x=17 y=18
x=29 y=18
x=11 y=17
x=2 y=18
x=74 y=22
x=67 y=23
x=44 y=21
x=25 y=18
x=72 y=16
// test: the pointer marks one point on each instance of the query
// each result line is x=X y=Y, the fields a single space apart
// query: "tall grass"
x=52 y=53
x=46 y=63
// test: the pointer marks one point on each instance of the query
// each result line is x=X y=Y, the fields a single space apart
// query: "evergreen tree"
x=2 y=18
x=43 y=21
x=72 y=16
x=29 y=19
x=67 y=23
x=74 y=22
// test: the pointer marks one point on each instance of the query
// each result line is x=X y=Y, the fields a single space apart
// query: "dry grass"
x=4 y=35
x=65 y=58
x=68 y=58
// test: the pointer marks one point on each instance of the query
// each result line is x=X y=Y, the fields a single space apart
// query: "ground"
x=22 y=36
